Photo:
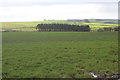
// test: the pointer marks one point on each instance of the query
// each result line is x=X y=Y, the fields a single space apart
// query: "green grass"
x=19 y=26
x=59 y=54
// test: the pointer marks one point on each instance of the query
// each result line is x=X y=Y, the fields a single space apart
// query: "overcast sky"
x=36 y=10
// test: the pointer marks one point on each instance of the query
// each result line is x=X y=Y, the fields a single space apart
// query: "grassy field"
x=59 y=54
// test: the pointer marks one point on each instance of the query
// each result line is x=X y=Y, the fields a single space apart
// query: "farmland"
x=59 y=54
x=31 y=26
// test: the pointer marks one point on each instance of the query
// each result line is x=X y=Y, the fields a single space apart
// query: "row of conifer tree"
x=62 y=27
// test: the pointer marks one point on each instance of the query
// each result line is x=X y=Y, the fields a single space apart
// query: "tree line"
x=62 y=27
x=117 y=28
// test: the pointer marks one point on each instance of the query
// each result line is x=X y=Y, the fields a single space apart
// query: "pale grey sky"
x=36 y=10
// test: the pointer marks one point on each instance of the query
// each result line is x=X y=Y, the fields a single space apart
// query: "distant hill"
x=94 y=24
x=109 y=21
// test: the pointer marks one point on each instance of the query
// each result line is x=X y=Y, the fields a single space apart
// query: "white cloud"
x=47 y=2
x=62 y=11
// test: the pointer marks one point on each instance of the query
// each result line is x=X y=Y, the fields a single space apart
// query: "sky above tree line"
x=37 y=10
